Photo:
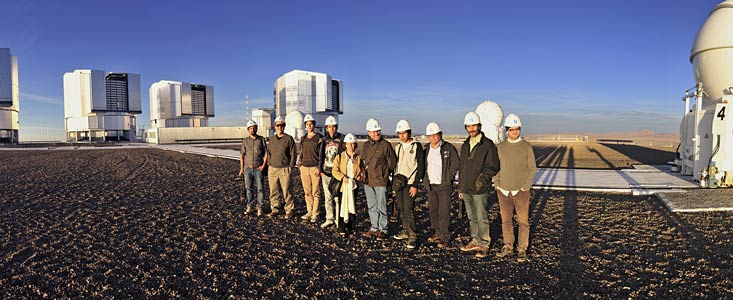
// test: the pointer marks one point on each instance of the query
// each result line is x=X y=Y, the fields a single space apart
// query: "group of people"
x=331 y=164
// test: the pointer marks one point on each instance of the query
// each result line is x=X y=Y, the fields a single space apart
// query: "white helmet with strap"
x=432 y=128
x=402 y=126
x=373 y=125
x=471 y=118
x=331 y=120
x=349 y=138
x=512 y=120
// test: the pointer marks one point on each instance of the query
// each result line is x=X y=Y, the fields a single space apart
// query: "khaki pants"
x=279 y=178
x=312 y=189
x=507 y=205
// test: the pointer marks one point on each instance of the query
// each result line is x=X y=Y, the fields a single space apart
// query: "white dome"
x=492 y=117
x=294 y=119
x=490 y=113
x=712 y=52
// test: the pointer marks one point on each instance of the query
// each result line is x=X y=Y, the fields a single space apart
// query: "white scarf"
x=347 y=194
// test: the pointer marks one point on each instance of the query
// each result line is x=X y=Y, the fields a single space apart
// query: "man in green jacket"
x=513 y=182
x=479 y=162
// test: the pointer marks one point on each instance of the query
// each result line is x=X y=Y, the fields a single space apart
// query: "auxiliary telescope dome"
x=712 y=53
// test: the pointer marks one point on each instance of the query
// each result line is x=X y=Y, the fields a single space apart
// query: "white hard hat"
x=471 y=118
x=402 y=125
x=251 y=123
x=308 y=118
x=373 y=125
x=331 y=120
x=279 y=119
x=349 y=138
x=512 y=120
x=432 y=128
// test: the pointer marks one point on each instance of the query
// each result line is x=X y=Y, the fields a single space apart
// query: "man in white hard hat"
x=252 y=162
x=281 y=161
x=311 y=160
x=379 y=160
x=513 y=183
x=441 y=159
x=479 y=162
x=410 y=169
x=332 y=147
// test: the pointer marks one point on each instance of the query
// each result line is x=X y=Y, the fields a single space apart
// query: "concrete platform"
x=699 y=200
x=635 y=181
x=200 y=149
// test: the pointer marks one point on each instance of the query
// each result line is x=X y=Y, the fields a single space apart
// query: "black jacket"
x=449 y=158
x=328 y=154
x=477 y=166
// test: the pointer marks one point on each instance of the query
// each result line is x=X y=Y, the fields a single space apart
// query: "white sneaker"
x=326 y=224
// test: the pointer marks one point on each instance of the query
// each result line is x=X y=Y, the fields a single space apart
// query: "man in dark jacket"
x=441 y=159
x=380 y=161
x=479 y=163
x=332 y=146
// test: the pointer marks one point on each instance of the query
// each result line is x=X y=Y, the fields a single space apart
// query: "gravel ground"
x=134 y=223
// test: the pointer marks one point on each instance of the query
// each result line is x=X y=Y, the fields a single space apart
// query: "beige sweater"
x=518 y=166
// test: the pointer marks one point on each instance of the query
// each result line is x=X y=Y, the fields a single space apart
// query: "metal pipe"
x=698 y=109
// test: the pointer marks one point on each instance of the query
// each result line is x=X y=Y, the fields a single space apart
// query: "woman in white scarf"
x=347 y=168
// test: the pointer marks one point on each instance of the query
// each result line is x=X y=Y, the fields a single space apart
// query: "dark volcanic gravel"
x=134 y=223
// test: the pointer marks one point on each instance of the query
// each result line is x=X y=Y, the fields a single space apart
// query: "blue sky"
x=563 y=66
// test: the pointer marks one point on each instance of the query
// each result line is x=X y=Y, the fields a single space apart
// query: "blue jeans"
x=478 y=218
x=377 y=203
x=253 y=174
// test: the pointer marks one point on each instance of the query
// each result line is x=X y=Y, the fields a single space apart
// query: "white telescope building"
x=706 y=131
x=180 y=104
x=311 y=93
x=100 y=105
x=9 y=97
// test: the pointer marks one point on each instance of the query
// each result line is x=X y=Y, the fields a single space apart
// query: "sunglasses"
x=279 y=125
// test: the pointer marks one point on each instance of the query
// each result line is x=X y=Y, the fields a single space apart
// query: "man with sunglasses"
x=281 y=161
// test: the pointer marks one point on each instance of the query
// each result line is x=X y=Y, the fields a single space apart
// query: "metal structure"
x=311 y=93
x=706 y=131
x=9 y=97
x=180 y=104
x=100 y=105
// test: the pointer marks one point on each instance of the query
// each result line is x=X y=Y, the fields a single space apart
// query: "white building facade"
x=180 y=104
x=9 y=97
x=311 y=93
x=264 y=117
x=100 y=105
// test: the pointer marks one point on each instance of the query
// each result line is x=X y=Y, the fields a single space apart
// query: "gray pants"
x=328 y=201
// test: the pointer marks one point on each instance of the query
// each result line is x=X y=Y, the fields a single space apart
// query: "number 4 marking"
x=721 y=113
